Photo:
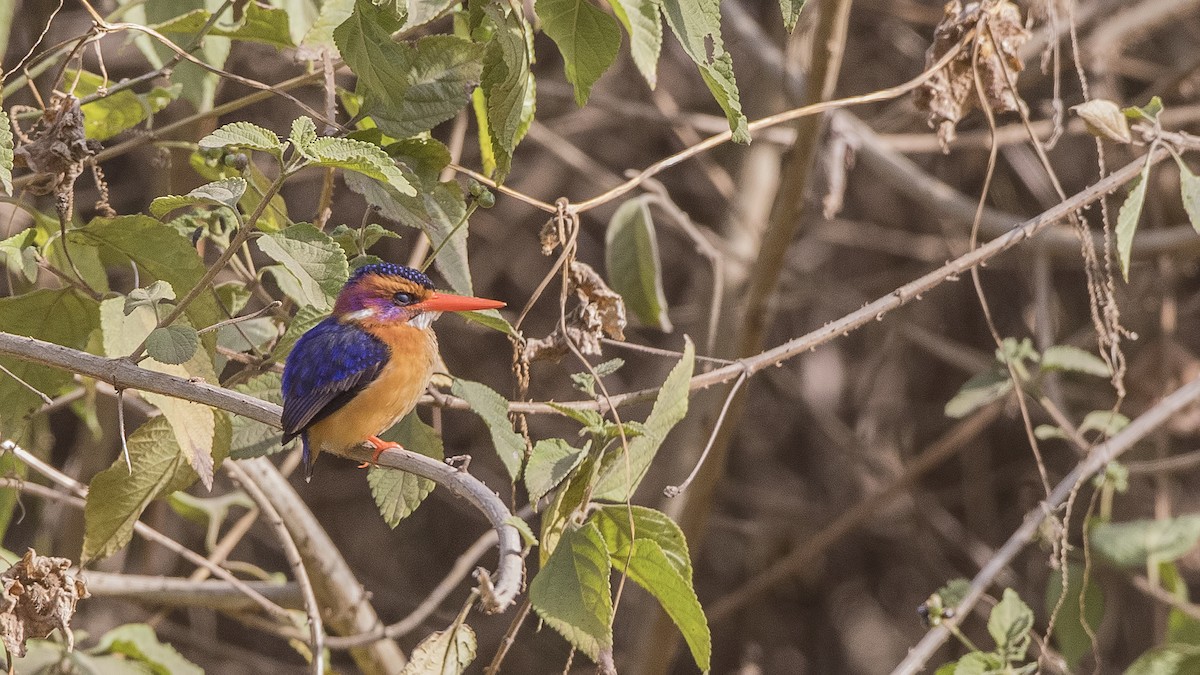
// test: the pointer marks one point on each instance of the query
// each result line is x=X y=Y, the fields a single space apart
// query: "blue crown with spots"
x=392 y=270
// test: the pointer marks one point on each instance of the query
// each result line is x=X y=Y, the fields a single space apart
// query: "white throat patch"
x=424 y=320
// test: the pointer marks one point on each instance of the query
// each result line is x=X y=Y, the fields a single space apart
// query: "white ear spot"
x=361 y=314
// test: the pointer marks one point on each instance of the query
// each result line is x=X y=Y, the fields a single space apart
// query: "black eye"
x=403 y=298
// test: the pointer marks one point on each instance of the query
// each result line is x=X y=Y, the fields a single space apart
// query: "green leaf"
x=399 y=493
x=953 y=592
x=506 y=98
x=622 y=477
x=117 y=497
x=977 y=392
x=138 y=642
x=1149 y=112
x=113 y=113
x=1127 y=219
x=550 y=462
x=172 y=344
x=360 y=157
x=243 y=135
x=445 y=652
x=650 y=567
x=614 y=523
x=196 y=426
x=408 y=89
x=151 y=295
x=979 y=663
x=791 y=12
x=1070 y=635
x=160 y=251
x=304 y=132
x=357 y=241
x=421 y=12
x=493 y=409
x=524 y=529
x=571 y=591
x=1133 y=543
x=306 y=317
x=634 y=266
x=490 y=318
x=19 y=253
x=697 y=24
x=1009 y=625
x=264 y=25
x=1073 y=359
x=6 y=154
x=1107 y=422
x=208 y=511
x=587 y=37
x=643 y=22
x=11 y=467
x=64 y=317
x=197 y=84
x=320 y=34
x=252 y=438
x=1046 y=432
x=1189 y=190
x=225 y=192
x=316 y=262
x=1169 y=659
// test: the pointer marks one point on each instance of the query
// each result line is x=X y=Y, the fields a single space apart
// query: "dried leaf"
x=1104 y=119
x=37 y=596
x=600 y=313
x=56 y=150
x=950 y=93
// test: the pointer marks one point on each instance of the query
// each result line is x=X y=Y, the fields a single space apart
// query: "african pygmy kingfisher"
x=355 y=374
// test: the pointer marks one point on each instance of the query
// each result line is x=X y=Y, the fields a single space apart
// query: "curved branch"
x=1100 y=456
x=124 y=374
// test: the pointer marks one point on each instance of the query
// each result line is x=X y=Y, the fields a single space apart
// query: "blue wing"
x=328 y=366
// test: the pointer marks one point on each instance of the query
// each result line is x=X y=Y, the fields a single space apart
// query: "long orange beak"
x=447 y=302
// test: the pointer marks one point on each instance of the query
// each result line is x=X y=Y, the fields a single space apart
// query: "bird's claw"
x=380 y=446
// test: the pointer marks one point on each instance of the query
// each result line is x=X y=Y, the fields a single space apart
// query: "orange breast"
x=389 y=397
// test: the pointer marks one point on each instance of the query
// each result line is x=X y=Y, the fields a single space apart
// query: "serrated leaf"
x=117 y=497
x=697 y=25
x=647 y=523
x=634 y=266
x=304 y=132
x=571 y=591
x=1132 y=544
x=65 y=317
x=225 y=192
x=421 y=12
x=273 y=218
x=1070 y=635
x=791 y=12
x=1169 y=659
x=19 y=254
x=153 y=294
x=194 y=425
x=6 y=154
x=408 y=89
x=643 y=22
x=399 y=493
x=360 y=157
x=550 y=462
x=243 y=135
x=493 y=409
x=507 y=96
x=316 y=262
x=320 y=34
x=621 y=478
x=587 y=37
x=252 y=438
x=649 y=567
x=1009 y=625
x=445 y=652
x=1073 y=359
x=1128 y=217
x=1189 y=191
x=264 y=25
x=172 y=344
x=160 y=251
x=138 y=642
x=977 y=392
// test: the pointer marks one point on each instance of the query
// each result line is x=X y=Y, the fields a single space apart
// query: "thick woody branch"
x=124 y=374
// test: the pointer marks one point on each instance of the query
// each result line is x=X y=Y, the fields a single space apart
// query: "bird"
x=360 y=370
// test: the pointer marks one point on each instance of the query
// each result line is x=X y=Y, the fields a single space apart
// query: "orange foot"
x=380 y=446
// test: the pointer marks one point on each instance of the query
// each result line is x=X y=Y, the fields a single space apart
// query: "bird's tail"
x=308 y=458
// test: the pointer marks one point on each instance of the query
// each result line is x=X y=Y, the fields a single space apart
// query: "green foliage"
x=643 y=22
x=1074 y=360
x=571 y=592
x=1168 y=659
x=210 y=512
x=19 y=253
x=264 y=25
x=399 y=493
x=550 y=462
x=996 y=383
x=312 y=259
x=121 y=110
x=447 y=652
x=1189 y=192
x=360 y=157
x=64 y=317
x=407 y=89
x=791 y=12
x=493 y=409
x=137 y=642
x=587 y=37
x=1127 y=219
x=505 y=101
x=252 y=438
x=621 y=477
x=224 y=192
x=1138 y=543
x=697 y=25
x=117 y=496
x=172 y=344
x=1010 y=625
x=634 y=266
x=243 y=135
x=131 y=649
